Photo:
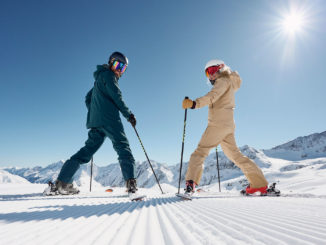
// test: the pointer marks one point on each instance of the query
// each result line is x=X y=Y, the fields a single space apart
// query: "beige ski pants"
x=212 y=137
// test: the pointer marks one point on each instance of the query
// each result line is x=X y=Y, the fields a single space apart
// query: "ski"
x=136 y=197
x=260 y=195
x=184 y=196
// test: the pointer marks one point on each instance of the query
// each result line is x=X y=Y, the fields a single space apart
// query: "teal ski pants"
x=96 y=137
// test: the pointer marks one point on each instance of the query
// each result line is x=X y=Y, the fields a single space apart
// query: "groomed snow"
x=99 y=217
x=26 y=217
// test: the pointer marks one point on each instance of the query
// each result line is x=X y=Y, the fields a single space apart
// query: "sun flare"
x=293 y=23
x=292 y=28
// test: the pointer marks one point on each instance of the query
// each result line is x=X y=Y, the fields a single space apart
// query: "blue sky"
x=49 y=51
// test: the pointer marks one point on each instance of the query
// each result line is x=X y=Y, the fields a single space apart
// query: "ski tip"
x=137 y=198
x=183 y=196
x=109 y=190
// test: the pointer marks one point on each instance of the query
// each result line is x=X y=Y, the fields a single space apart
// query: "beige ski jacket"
x=221 y=100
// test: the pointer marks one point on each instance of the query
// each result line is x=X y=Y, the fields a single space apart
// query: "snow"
x=6 y=177
x=99 y=217
x=276 y=162
x=212 y=217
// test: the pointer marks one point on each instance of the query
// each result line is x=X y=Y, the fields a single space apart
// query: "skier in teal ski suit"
x=104 y=102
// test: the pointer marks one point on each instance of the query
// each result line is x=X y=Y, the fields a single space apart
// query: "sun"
x=291 y=28
x=293 y=22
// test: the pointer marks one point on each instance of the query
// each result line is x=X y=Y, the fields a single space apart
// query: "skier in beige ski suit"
x=221 y=127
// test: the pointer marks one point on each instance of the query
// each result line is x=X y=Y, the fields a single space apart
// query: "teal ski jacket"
x=104 y=100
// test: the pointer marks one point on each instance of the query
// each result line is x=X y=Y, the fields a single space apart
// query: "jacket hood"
x=235 y=80
x=99 y=69
x=232 y=76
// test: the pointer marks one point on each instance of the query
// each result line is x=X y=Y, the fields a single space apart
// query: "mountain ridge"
x=110 y=175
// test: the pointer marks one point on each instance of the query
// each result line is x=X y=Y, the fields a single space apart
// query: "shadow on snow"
x=73 y=211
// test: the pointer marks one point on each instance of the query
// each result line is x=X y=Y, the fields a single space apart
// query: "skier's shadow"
x=62 y=212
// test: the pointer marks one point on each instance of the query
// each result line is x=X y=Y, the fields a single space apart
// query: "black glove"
x=132 y=120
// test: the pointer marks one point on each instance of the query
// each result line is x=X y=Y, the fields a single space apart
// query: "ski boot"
x=249 y=191
x=132 y=190
x=189 y=190
x=51 y=190
x=190 y=187
x=131 y=186
x=263 y=191
x=65 y=188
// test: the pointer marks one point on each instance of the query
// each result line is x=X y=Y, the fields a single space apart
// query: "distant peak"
x=304 y=141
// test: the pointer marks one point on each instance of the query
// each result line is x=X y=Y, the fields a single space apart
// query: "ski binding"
x=51 y=190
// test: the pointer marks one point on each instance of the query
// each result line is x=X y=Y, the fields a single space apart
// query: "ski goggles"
x=213 y=69
x=119 y=66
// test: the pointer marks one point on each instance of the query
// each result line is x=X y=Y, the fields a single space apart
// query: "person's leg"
x=121 y=146
x=253 y=173
x=84 y=155
x=211 y=138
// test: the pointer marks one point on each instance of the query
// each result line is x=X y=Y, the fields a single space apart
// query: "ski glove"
x=187 y=103
x=132 y=120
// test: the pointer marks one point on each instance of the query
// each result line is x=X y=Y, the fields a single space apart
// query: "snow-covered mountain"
x=6 y=177
x=295 y=156
x=111 y=175
x=38 y=174
x=307 y=147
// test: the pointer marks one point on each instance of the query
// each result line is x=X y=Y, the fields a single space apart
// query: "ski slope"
x=26 y=217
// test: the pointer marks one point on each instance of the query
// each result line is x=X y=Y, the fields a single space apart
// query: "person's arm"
x=217 y=91
x=114 y=91
x=88 y=98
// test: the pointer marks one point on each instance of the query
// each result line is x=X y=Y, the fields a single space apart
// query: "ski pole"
x=148 y=159
x=218 y=170
x=90 y=184
x=183 y=140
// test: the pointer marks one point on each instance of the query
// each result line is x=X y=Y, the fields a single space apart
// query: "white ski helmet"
x=214 y=63
x=224 y=69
